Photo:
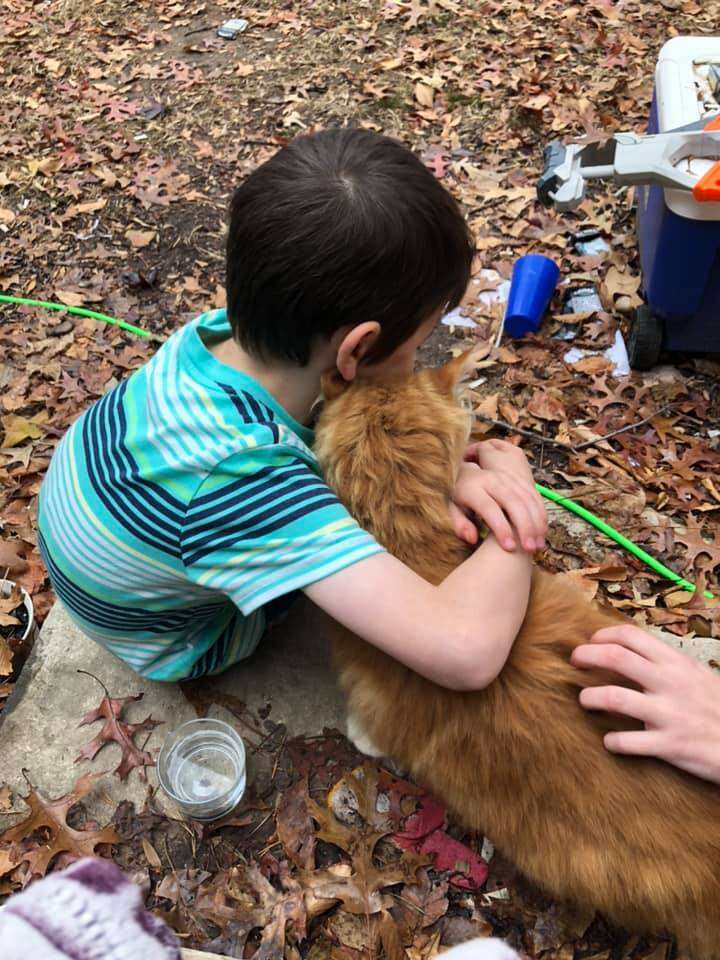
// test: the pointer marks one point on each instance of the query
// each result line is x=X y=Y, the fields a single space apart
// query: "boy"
x=182 y=510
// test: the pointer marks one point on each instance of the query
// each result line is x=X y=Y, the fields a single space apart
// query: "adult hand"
x=495 y=486
x=679 y=699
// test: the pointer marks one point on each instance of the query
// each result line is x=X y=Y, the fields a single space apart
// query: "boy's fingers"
x=641 y=743
x=490 y=513
x=510 y=496
x=635 y=639
x=539 y=513
x=471 y=453
x=527 y=495
x=611 y=656
x=462 y=525
x=630 y=703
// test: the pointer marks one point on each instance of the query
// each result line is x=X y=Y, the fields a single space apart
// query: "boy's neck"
x=295 y=388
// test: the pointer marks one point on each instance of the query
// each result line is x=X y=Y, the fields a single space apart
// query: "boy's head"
x=341 y=228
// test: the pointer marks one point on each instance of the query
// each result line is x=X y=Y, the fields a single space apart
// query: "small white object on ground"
x=501 y=292
x=617 y=354
x=481 y=949
x=231 y=28
x=590 y=248
x=457 y=319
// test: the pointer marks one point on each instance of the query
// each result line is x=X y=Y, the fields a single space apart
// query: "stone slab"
x=290 y=672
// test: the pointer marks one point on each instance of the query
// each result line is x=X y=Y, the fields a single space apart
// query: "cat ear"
x=459 y=368
x=332 y=384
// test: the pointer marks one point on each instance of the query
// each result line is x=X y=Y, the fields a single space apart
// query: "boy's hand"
x=679 y=699
x=495 y=485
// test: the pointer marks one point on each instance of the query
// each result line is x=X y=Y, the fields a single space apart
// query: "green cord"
x=568 y=504
x=80 y=311
x=626 y=544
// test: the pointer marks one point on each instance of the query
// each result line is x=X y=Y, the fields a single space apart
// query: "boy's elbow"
x=474 y=665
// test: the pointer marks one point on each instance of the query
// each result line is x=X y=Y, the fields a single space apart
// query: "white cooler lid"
x=684 y=95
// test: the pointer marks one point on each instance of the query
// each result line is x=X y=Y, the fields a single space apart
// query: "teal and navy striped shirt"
x=180 y=505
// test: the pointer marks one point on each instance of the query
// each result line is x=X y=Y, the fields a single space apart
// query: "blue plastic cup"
x=533 y=283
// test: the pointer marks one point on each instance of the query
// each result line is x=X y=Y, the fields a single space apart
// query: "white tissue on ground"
x=617 y=355
x=456 y=318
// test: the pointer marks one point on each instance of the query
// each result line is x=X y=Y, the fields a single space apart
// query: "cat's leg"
x=359 y=738
x=362 y=742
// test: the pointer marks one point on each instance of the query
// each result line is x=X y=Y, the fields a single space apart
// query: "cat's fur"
x=521 y=760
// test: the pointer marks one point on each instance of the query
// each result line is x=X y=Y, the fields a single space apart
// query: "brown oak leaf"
x=545 y=406
x=242 y=899
x=51 y=815
x=117 y=730
x=10 y=558
x=696 y=544
x=360 y=886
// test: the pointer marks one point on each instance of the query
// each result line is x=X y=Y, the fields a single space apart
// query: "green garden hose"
x=565 y=502
x=626 y=544
x=80 y=311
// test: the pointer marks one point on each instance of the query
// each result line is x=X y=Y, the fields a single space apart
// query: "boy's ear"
x=459 y=368
x=333 y=384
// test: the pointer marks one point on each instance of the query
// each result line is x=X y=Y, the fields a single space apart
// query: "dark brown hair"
x=337 y=228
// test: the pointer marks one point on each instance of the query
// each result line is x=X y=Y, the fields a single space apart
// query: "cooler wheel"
x=646 y=337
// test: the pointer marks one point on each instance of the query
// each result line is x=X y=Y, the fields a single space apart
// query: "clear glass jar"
x=202 y=768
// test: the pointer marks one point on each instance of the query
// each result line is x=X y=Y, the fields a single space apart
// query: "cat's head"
x=416 y=426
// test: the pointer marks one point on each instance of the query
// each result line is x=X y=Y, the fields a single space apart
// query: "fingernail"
x=509 y=544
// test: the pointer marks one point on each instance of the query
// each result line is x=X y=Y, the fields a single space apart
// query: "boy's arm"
x=458 y=634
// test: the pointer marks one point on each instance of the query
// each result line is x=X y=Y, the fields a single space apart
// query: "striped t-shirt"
x=180 y=505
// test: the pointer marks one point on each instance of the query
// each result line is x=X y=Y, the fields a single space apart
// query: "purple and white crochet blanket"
x=90 y=911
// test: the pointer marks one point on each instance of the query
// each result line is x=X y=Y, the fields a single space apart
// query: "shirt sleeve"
x=263 y=524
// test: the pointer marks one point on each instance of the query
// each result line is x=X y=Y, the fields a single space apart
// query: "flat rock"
x=289 y=679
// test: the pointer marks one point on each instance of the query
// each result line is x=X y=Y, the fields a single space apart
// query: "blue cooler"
x=679 y=237
x=675 y=169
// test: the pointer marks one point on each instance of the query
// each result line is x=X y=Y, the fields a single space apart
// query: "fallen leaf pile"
x=127 y=127
x=371 y=866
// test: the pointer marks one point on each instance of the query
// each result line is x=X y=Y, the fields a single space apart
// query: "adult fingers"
x=630 y=703
x=641 y=743
x=611 y=656
x=635 y=639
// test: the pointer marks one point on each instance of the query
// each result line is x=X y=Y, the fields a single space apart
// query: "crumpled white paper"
x=617 y=355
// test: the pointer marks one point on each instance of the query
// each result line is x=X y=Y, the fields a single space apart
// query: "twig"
x=264 y=740
x=530 y=434
x=616 y=433
x=190 y=33
x=268 y=849
x=409 y=903
x=261 y=824
x=277 y=758
x=571 y=448
x=97 y=680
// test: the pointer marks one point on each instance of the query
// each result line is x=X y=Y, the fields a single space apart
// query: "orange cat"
x=521 y=760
